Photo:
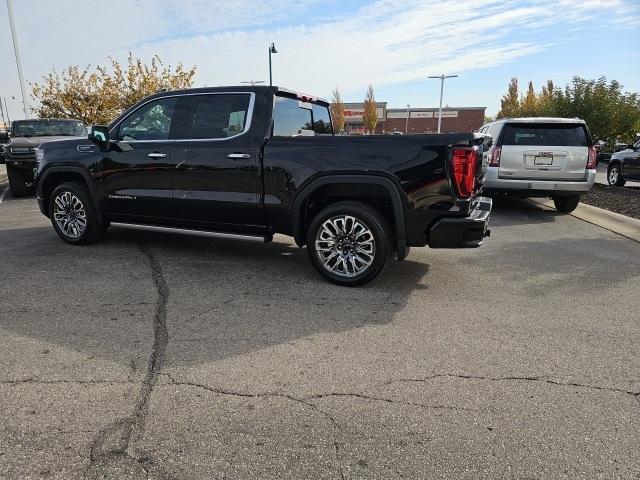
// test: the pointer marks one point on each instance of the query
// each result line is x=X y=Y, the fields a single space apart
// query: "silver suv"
x=540 y=157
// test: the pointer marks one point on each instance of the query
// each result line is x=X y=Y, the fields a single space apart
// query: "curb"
x=621 y=224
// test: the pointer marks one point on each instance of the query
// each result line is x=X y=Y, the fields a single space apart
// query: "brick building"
x=415 y=120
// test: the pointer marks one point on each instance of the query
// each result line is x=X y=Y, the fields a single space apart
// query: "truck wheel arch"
x=56 y=175
x=392 y=189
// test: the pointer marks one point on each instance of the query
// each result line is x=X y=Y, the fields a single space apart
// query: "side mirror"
x=4 y=137
x=99 y=134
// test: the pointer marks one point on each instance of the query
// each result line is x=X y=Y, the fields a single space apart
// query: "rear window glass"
x=292 y=118
x=543 y=134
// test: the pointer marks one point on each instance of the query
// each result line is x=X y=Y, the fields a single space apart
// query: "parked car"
x=624 y=165
x=263 y=160
x=26 y=137
x=4 y=139
x=541 y=157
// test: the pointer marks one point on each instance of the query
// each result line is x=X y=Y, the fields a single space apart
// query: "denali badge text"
x=121 y=197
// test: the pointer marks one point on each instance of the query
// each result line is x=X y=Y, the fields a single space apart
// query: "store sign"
x=422 y=114
x=356 y=114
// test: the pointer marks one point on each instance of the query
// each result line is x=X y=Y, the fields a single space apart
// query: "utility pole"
x=406 y=124
x=442 y=78
x=14 y=36
x=272 y=49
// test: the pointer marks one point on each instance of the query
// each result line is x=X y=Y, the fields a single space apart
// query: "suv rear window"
x=545 y=134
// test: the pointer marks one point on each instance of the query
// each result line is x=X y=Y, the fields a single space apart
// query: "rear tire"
x=18 y=182
x=73 y=216
x=614 y=175
x=349 y=243
x=566 y=204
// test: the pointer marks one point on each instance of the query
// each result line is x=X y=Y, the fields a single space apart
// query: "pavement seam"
x=115 y=440
x=504 y=379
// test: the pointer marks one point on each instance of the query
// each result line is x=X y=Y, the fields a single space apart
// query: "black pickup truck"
x=255 y=161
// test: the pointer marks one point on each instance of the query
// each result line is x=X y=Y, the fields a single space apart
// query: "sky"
x=393 y=45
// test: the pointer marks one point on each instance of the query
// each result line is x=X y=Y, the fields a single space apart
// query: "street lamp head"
x=272 y=48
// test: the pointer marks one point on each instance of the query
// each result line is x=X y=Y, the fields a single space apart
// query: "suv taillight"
x=592 y=162
x=495 y=157
x=464 y=163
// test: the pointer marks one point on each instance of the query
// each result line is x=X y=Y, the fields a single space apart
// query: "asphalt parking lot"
x=162 y=356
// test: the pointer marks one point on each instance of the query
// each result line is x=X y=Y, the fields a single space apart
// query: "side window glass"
x=150 y=122
x=321 y=120
x=291 y=118
x=219 y=116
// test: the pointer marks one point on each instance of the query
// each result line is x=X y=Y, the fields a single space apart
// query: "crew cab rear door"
x=216 y=170
x=544 y=151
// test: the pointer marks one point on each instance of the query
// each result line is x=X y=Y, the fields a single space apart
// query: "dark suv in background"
x=26 y=137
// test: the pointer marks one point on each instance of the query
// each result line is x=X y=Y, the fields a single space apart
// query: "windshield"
x=47 y=128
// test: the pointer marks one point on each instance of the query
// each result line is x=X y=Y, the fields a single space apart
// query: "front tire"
x=18 y=183
x=614 y=175
x=73 y=215
x=349 y=243
x=566 y=204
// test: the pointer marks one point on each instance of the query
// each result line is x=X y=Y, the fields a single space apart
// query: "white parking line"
x=4 y=192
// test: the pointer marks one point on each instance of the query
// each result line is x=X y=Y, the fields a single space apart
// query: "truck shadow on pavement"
x=225 y=297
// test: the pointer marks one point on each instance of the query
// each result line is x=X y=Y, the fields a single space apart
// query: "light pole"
x=272 y=49
x=14 y=36
x=441 y=77
x=406 y=124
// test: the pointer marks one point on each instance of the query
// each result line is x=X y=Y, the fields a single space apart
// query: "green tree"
x=337 y=111
x=510 y=103
x=609 y=111
x=98 y=95
x=370 y=115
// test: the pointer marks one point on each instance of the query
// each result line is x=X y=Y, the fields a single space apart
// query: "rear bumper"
x=463 y=232
x=494 y=184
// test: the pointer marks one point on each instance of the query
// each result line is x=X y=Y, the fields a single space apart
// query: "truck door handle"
x=157 y=155
x=239 y=156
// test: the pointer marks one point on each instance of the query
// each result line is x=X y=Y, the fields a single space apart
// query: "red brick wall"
x=466 y=121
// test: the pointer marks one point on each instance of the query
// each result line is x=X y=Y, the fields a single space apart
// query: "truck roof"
x=250 y=88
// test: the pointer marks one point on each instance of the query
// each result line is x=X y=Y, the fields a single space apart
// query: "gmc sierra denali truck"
x=259 y=160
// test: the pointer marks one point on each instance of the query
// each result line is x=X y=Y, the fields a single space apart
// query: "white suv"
x=540 y=157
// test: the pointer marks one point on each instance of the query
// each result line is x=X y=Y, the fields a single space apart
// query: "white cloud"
x=386 y=42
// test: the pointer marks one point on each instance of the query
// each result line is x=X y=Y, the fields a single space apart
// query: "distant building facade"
x=414 y=120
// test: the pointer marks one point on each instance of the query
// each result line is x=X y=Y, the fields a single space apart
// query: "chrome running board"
x=200 y=233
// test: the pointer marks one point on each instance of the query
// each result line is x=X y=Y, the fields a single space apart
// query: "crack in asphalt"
x=114 y=441
x=504 y=379
x=302 y=401
x=64 y=381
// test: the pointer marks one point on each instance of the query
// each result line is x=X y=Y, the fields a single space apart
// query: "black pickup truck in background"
x=263 y=160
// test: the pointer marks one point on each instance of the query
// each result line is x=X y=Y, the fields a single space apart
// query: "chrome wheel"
x=613 y=175
x=345 y=246
x=69 y=214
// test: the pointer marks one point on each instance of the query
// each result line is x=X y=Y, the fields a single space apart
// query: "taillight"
x=464 y=163
x=592 y=162
x=495 y=157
